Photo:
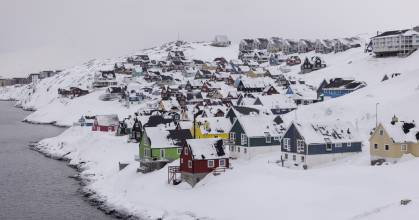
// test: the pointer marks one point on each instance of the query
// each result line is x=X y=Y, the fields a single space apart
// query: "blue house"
x=306 y=144
x=255 y=134
x=86 y=121
x=338 y=87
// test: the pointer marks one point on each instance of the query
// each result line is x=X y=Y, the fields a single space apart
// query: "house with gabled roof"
x=390 y=141
x=323 y=46
x=277 y=104
x=395 y=42
x=337 y=87
x=237 y=111
x=161 y=145
x=199 y=157
x=275 y=45
x=247 y=44
x=306 y=144
x=301 y=93
x=211 y=127
x=290 y=46
x=105 y=123
x=255 y=134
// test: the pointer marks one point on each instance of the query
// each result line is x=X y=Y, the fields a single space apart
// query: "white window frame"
x=186 y=151
x=300 y=145
x=189 y=163
x=403 y=148
x=232 y=137
x=243 y=139
x=276 y=138
x=303 y=159
x=294 y=157
x=179 y=151
x=338 y=145
x=208 y=163
x=268 y=138
x=385 y=146
x=146 y=152
x=349 y=144
x=181 y=160
x=287 y=144
x=222 y=162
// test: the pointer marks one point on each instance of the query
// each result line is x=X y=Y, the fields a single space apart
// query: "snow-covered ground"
x=256 y=189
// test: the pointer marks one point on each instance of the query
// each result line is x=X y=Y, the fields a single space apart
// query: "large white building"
x=400 y=42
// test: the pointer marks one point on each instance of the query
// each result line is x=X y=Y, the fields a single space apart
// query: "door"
x=162 y=155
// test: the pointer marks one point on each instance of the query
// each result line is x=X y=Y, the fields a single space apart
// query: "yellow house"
x=388 y=143
x=211 y=127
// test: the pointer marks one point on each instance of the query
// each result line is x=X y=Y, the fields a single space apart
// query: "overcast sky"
x=43 y=34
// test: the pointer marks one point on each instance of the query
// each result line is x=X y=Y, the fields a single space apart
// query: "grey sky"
x=41 y=34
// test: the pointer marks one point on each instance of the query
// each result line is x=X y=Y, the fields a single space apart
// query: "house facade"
x=397 y=42
x=390 y=142
x=254 y=135
x=199 y=157
x=306 y=144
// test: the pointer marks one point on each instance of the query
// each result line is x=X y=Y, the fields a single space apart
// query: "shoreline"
x=88 y=195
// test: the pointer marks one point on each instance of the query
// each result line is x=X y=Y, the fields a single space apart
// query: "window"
x=287 y=145
x=243 y=139
x=145 y=151
x=210 y=163
x=349 y=144
x=386 y=147
x=381 y=132
x=404 y=147
x=294 y=157
x=302 y=158
x=179 y=151
x=376 y=146
x=276 y=138
x=338 y=145
x=181 y=160
x=286 y=156
x=222 y=162
x=267 y=137
x=238 y=149
x=245 y=150
x=162 y=153
x=232 y=148
x=232 y=137
x=186 y=151
x=189 y=163
x=300 y=145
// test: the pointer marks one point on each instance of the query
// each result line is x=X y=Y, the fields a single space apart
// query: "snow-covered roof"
x=214 y=125
x=262 y=125
x=332 y=131
x=158 y=137
x=303 y=91
x=107 y=120
x=207 y=148
x=398 y=134
x=276 y=101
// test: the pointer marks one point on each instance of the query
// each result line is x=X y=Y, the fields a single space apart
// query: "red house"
x=200 y=157
x=105 y=123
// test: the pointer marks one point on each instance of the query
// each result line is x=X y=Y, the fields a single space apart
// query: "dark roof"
x=338 y=82
x=387 y=33
x=245 y=110
x=179 y=136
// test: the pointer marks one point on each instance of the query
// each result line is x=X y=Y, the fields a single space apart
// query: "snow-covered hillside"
x=257 y=188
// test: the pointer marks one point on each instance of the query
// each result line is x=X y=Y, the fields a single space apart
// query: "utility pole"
x=376 y=114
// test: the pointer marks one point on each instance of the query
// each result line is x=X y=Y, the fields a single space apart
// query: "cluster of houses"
x=290 y=46
x=32 y=78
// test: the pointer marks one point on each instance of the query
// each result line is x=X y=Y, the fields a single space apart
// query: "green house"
x=159 y=144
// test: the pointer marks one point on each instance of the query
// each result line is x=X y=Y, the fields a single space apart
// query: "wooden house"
x=211 y=127
x=199 y=157
x=247 y=45
x=305 y=46
x=289 y=46
x=237 y=111
x=104 y=79
x=324 y=46
x=390 y=141
x=275 y=45
x=337 y=87
x=312 y=64
x=261 y=43
x=86 y=121
x=301 y=93
x=256 y=134
x=306 y=144
x=160 y=146
x=105 y=123
x=293 y=60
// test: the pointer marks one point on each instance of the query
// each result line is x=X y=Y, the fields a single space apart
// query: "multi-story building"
x=399 y=42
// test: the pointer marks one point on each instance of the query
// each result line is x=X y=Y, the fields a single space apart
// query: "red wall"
x=198 y=166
